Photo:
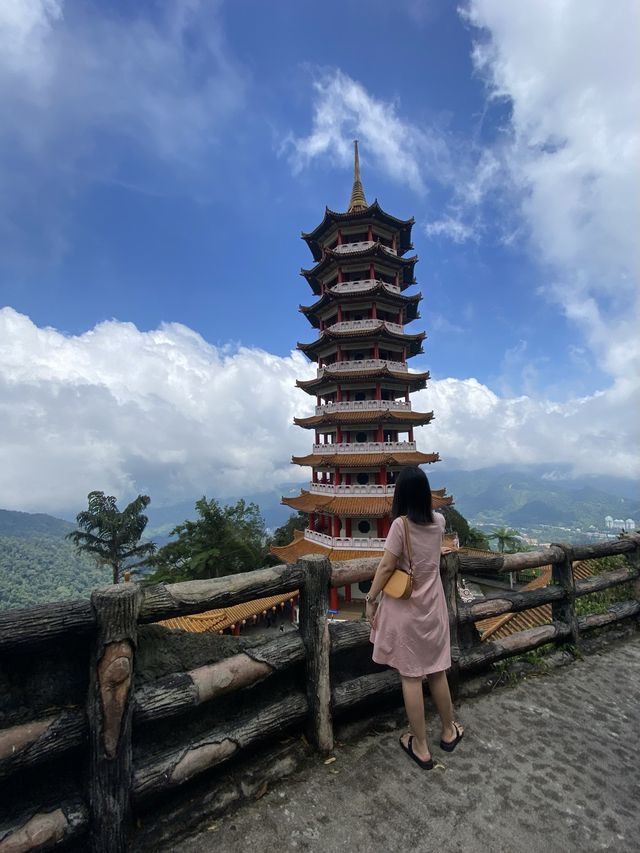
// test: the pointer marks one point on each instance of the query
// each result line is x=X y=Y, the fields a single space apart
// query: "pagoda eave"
x=359 y=460
x=373 y=211
x=374 y=252
x=394 y=298
x=365 y=417
x=300 y=547
x=354 y=507
x=416 y=381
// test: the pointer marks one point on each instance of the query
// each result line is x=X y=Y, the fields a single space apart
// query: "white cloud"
x=594 y=434
x=125 y=411
x=453 y=229
x=82 y=91
x=344 y=110
x=165 y=413
x=570 y=153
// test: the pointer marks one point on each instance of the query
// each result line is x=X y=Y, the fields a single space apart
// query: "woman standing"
x=412 y=635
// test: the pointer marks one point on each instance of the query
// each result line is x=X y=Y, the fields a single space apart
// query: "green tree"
x=284 y=534
x=223 y=540
x=477 y=539
x=457 y=523
x=113 y=537
x=508 y=540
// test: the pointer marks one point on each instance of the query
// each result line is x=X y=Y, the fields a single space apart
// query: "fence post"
x=633 y=560
x=449 y=567
x=565 y=610
x=314 y=629
x=110 y=711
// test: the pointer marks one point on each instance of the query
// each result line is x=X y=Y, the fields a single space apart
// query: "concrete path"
x=549 y=766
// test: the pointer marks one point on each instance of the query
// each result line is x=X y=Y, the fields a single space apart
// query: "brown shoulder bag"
x=400 y=584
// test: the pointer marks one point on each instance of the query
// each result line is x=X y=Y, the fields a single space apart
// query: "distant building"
x=629 y=524
x=608 y=521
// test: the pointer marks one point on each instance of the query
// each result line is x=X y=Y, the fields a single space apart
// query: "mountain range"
x=38 y=564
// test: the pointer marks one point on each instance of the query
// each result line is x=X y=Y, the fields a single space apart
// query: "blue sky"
x=160 y=160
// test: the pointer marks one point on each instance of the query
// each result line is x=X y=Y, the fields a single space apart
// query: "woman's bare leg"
x=439 y=687
x=414 y=706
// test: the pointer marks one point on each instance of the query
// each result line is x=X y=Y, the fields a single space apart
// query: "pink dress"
x=412 y=635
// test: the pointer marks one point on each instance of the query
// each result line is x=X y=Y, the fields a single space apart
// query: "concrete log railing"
x=103 y=732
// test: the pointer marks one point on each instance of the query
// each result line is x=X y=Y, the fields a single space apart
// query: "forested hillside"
x=38 y=564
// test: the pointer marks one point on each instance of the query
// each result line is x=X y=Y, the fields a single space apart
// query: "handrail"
x=117 y=712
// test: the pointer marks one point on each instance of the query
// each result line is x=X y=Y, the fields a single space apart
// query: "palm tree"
x=113 y=537
x=508 y=539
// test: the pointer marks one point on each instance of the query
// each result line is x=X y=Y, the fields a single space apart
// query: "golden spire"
x=358 y=201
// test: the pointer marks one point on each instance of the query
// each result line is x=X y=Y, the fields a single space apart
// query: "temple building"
x=363 y=426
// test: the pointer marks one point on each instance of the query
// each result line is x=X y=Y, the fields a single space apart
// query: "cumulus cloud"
x=592 y=434
x=570 y=153
x=343 y=110
x=81 y=90
x=126 y=411
x=165 y=413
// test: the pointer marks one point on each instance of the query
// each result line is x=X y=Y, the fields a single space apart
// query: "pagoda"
x=363 y=424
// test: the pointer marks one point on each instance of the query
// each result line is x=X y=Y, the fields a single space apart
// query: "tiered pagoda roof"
x=360 y=460
x=365 y=506
x=372 y=416
x=375 y=288
x=363 y=419
x=373 y=252
x=379 y=332
x=416 y=381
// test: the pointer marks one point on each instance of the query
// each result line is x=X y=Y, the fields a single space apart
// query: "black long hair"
x=412 y=496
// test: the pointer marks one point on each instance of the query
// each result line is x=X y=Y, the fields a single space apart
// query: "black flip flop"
x=449 y=746
x=408 y=748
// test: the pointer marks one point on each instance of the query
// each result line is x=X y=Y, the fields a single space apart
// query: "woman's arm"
x=384 y=571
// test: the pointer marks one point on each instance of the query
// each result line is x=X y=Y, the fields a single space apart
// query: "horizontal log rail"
x=158 y=773
x=168 y=766
x=181 y=692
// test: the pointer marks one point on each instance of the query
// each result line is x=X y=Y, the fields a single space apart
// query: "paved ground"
x=549 y=766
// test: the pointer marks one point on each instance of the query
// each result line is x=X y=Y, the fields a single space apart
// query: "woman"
x=412 y=635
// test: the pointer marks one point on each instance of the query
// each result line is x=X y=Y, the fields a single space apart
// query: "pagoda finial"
x=358 y=201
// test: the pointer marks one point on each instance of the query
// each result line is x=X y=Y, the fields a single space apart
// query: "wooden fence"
x=103 y=733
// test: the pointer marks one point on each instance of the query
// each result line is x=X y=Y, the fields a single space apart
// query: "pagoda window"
x=364 y=526
x=359 y=356
x=392 y=476
x=363 y=479
x=361 y=437
x=386 y=394
x=390 y=436
x=360 y=395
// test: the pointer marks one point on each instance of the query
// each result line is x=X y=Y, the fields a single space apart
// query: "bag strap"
x=407 y=539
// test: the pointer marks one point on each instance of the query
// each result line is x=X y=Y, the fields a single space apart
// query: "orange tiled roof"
x=357 y=506
x=212 y=621
x=365 y=417
x=358 y=460
x=414 y=379
x=334 y=505
x=498 y=627
x=300 y=547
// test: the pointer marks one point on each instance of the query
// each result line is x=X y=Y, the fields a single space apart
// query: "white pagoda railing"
x=369 y=323
x=351 y=542
x=364 y=406
x=366 y=364
x=355 y=489
x=367 y=447
x=360 y=246
x=363 y=285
